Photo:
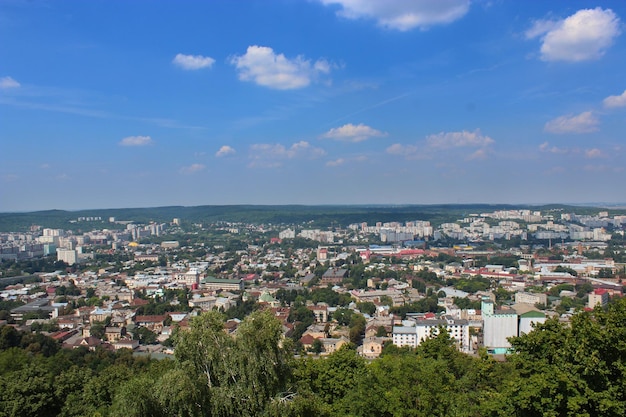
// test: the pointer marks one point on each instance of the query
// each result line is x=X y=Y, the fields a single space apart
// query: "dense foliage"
x=575 y=369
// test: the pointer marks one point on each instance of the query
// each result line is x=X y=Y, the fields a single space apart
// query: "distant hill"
x=317 y=216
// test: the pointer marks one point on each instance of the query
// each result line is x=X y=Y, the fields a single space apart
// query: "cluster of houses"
x=219 y=279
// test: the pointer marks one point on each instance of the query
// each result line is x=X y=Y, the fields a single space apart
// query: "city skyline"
x=145 y=104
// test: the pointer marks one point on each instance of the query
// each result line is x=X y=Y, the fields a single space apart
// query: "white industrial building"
x=500 y=325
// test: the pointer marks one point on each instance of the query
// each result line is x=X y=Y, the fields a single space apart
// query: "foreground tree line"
x=574 y=369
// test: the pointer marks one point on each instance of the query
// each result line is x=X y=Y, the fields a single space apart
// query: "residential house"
x=372 y=347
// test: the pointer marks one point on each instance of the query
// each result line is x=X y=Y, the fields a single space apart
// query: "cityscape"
x=312 y=208
x=107 y=284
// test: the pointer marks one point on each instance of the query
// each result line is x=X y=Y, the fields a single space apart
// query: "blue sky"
x=149 y=103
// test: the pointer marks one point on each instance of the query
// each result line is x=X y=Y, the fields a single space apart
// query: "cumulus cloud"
x=353 y=133
x=225 y=151
x=193 y=168
x=403 y=15
x=193 y=62
x=615 y=101
x=585 y=35
x=261 y=65
x=8 y=82
x=447 y=140
x=136 y=141
x=271 y=155
x=585 y=122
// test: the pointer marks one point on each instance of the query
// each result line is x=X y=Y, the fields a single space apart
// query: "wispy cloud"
x=353 y=133
x=77 y=102
x=583 y=36
x=267 y=155
x=8 y=82
x=603 y=168
x=191 y=169
x=477 y=154
x=193 y=62
x=403 y=15
x=336 y=162
x=585 y=122
x=400 y=149
x=264 y=67
x=136 y=141
x=225 y=151
x=447 y=140
x=594 y=153
x=374 y=106
x=545 y=147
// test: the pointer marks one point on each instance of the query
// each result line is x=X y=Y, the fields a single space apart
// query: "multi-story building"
x=500 y=325
x=598 y=296
x=531 y=298
x=69 y=256
x=418 y=328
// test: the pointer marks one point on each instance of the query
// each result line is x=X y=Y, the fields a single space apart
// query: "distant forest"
x=314 y=216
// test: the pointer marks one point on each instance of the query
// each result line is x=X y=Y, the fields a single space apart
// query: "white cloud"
x=192 y=168
x=10 y=177
x=8 y=82
x=271 y=155
x=615 y=101
x=540 y=28
x=225 y=151
x=583 y=36
x=585 y=122
x=353 y=133
x=136 y=141
x=193 y=62
x=261 y=65
x=594 y=153
x=403 y=15
x=335 y=163
x=447 y=140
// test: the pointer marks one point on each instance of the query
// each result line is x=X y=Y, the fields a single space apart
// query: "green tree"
x=576 y=369
x=316 y=346
x=145 y=336
x=367 y=307
x=342 y=316
x=241 y=375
